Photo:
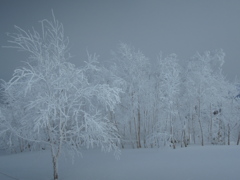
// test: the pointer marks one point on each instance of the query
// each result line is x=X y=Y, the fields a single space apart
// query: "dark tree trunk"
x=238 y=138
x=229 y=133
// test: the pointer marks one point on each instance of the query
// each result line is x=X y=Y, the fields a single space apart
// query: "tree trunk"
x=193 y=130
x=55 y=167
x=184 y=138
x=211 y=123
x=238 y=138
x=200 y=123
x=229 y=134
x=139 y=130
x=130 y=131
x=172 y=133
x=136 y=131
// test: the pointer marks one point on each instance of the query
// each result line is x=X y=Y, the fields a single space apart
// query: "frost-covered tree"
x=228 y=117
x=3 y=129
x=167 y=80
x=57 y=104
x=133 y=67
x=208 y=94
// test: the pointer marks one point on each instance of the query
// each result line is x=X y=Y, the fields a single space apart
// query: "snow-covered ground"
x=192 y=163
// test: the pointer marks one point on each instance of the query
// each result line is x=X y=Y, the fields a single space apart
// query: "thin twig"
x=9 y=176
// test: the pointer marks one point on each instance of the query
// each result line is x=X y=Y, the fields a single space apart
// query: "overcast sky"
x=171 y=26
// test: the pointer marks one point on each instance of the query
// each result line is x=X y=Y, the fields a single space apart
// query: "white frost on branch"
x=56 y=103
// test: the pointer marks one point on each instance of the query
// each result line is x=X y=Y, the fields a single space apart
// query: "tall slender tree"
x=133 y=68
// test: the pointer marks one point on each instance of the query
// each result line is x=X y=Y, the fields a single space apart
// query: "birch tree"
x=133 y=68
x=168 y=80
x=3 y=129
x=209 y=92
x=61 y=106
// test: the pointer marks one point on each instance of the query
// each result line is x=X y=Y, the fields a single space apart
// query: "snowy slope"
x=192 y=163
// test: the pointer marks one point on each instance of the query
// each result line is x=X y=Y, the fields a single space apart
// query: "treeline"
x=132 y=102
x=168 y=104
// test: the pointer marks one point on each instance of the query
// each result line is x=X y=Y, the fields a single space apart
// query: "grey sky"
x=171 y=26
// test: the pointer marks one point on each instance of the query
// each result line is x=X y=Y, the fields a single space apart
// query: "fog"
x=181 y=27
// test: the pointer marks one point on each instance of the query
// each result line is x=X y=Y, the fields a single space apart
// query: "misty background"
x=170 y=26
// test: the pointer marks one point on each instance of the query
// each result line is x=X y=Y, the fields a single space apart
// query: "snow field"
x=192 y=163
